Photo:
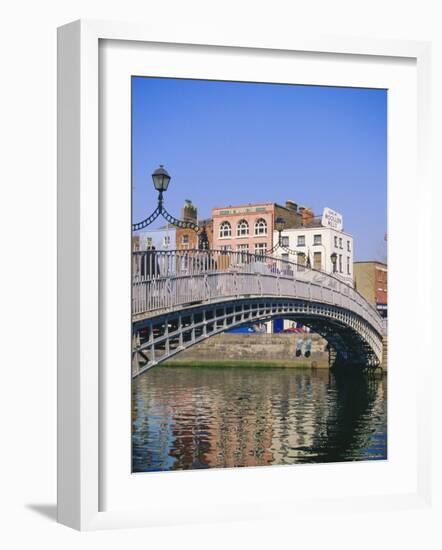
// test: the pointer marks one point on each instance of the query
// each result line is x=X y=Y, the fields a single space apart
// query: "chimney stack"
x=307 y=215
x=189 y=212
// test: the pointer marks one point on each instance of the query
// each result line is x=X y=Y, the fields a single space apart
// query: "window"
x=166 y=241
x=348 y=246
x=340 y=263
x=317 y=260
x=185 y=241
x=260 y=227
x=285 y=257
x=317 y=239
x=348 y=265
x=225 y=230
x=242 y=228
x=340 y=242
x=336 y=242
x=285 y=241
x=301 y=240
x=300 y=260
x=261 y=249
x=243 y=250
x=148 y=243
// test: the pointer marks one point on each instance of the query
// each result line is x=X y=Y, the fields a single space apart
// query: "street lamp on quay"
x=161 y=180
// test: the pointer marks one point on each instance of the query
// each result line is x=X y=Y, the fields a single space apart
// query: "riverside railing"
x=165 y=279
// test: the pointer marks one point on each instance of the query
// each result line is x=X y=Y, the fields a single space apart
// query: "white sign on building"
x=332 y=219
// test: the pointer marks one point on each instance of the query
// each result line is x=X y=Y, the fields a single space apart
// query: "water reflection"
x=207 y=417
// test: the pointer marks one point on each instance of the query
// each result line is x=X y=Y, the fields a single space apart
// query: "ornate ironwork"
x=161 y=180
x=283 y=247
x=182 y=224
x=147 y=221
x=181 y=297
x=203 y=239
x=161 y=211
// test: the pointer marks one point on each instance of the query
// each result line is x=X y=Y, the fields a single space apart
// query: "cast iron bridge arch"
x=182 y=297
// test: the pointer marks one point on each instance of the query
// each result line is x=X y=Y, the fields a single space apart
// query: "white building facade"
x=163 y=238
x=316 y=246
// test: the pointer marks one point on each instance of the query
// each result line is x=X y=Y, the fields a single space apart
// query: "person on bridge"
x=149 y=264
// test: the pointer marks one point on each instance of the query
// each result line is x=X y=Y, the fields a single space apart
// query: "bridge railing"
x=165 y=279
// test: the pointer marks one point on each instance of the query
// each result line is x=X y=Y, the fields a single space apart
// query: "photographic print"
x=259 y=274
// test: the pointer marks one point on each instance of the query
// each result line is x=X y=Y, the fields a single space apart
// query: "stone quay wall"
x=265 y=349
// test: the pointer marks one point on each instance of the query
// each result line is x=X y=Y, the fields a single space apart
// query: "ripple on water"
x=205 y=417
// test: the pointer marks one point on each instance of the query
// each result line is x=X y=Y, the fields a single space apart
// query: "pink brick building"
x=249 y=228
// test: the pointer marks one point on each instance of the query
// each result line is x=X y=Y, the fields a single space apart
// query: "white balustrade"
x=167 y=279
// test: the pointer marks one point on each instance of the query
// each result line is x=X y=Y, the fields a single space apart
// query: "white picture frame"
x=80 y=206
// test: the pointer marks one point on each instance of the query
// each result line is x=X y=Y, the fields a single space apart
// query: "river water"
x=210 y=417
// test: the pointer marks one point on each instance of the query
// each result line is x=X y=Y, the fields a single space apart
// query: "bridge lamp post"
x=279 y=226
x=334 y=258
x=161 y=180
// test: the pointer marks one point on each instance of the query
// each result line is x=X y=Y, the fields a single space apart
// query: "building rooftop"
x=315 y=223
x=249 y=205
x=151 y=230
x=371 y=262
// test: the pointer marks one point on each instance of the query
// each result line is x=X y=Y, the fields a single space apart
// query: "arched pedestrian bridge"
x=182 y=297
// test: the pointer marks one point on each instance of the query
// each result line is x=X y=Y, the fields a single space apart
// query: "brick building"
x=249 y=228
x=371 y=280
x=187 y=239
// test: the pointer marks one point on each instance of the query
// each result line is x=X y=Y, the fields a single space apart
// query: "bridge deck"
x=171 y=286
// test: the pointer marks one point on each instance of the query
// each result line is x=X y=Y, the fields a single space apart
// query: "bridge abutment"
x=277 y=350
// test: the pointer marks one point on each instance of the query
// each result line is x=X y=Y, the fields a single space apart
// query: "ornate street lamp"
x=161 y=179
x=279 y=226
x=203 y=239
x=333 y=258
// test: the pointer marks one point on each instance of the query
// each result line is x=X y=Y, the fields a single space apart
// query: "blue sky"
x=232 y=143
